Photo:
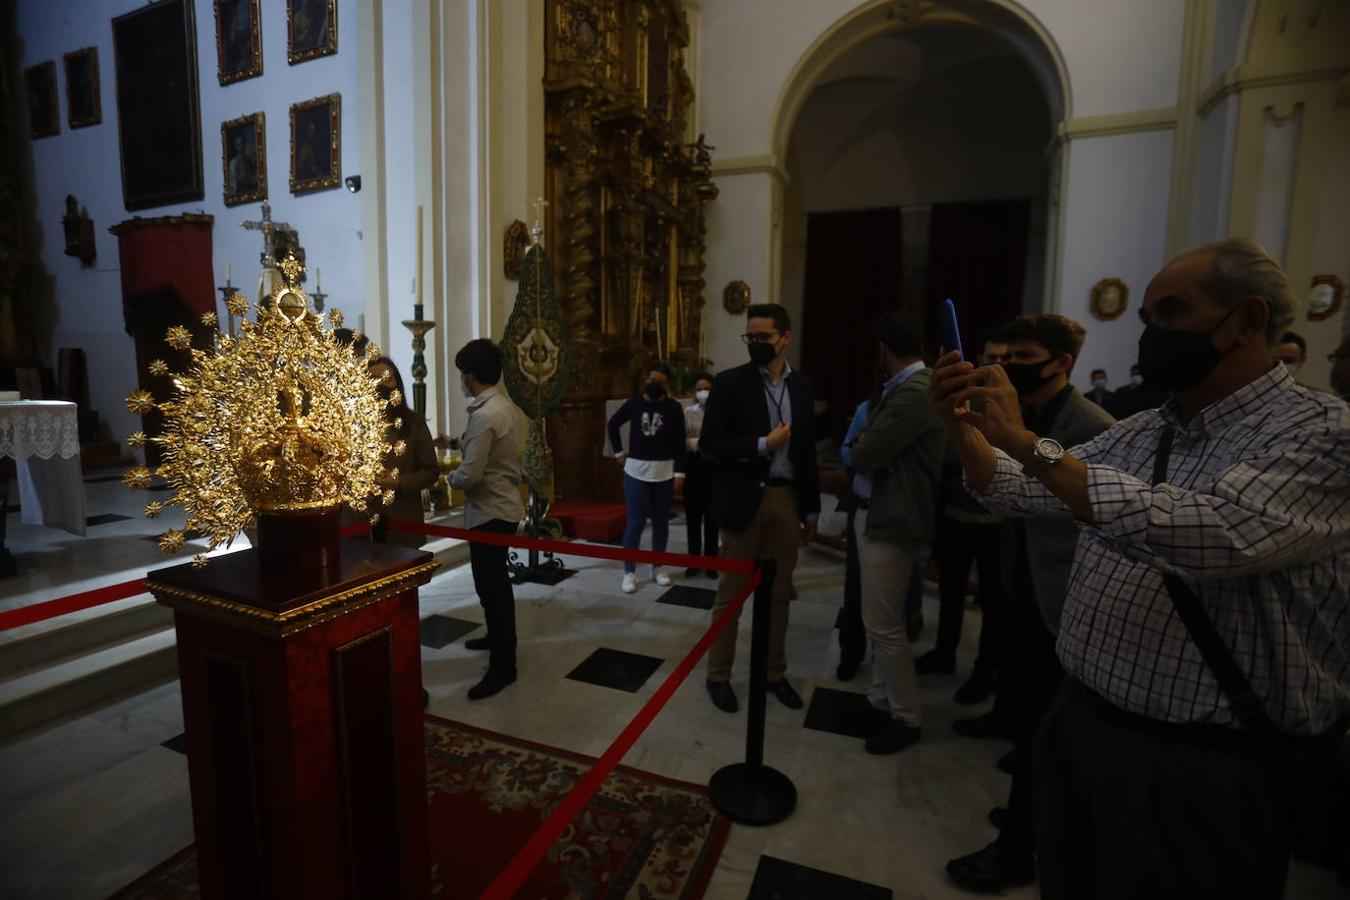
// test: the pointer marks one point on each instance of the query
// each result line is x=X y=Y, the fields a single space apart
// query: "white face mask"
x=1292 y=367
x=1138 y=380
x=464 y=387
x=701 y=396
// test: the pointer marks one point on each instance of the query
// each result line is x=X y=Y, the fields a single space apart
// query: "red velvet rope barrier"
x=27 y=615
x=510 y=879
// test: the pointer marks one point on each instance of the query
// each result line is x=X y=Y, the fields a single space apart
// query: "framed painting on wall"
x=158 y=108
x=316 y=144
x=238 y=40
x=311 y=29
x=84 y=103
x=44 y=110
x=243 y=145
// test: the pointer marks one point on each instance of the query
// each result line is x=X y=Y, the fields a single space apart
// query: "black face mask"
x=1172 y=360
x=1026 y=378
x=762 y=354
x=655 y=389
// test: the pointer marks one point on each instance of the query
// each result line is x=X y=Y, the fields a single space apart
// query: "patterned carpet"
x=640 y=836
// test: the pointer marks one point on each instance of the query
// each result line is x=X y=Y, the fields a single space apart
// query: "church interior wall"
x=86 y=303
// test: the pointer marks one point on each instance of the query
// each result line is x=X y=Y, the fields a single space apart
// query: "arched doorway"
x=921 y=163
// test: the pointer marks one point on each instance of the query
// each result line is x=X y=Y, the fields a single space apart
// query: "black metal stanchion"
x=752 y=793
x=551 y=569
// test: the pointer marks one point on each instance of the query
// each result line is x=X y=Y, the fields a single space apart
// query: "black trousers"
x=1130 y=807
x=493 y=585
x=852 y=637
x=958 y=546
x=697 y=499
x=1025 y=697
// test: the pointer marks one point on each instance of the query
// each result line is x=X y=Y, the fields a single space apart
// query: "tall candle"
x=227 y=271
x=419 y=254
x=318 y=279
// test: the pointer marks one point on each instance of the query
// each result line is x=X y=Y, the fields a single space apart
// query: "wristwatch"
x=1045 y=452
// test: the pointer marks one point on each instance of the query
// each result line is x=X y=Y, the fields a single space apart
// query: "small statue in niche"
x=79 y=230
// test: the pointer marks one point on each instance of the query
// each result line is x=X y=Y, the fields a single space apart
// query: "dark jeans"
x=1129 y=807
x=959 y=545
x=493 y=585
x=1037 y=676
x=852 y=637
x=646 y=499
x=697 y=499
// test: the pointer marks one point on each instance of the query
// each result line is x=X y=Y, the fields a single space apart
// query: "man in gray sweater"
x=898 y=460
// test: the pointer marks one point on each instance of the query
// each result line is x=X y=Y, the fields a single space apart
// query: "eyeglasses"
x=759 y=337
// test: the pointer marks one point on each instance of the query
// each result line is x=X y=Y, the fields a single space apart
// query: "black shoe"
x=690 y=573
x=711 y=573
x=723 y=697
x=985 y=725
x=978 y=688
x=892 y=738
x=914 y=627
x=848 y=667
x=426 y=698
x=482 y=643
x=1007 y=763
x=784 y=692
x=993 y=869
x=492 y=682
x=998 y=817
x=935 y=662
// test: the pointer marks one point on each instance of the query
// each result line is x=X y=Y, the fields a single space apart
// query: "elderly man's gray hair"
x=1242 y=269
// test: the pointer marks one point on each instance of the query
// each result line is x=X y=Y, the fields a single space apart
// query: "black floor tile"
x=187 y=536
x=840 y=712
x=777 y=879
x=104 y=519
x=684 y=595
x=178 y=742
x=160 y=487
x=616 y=669
x=99 y=479
x=438 y=630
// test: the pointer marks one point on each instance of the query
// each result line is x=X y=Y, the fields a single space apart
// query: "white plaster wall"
x=87 y=303
x=739 y=232
x=400 y=186
x=1115 y=226
x=1215 y=137
x=749 y=48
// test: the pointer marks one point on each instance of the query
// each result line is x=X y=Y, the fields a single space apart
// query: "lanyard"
x=777 y=400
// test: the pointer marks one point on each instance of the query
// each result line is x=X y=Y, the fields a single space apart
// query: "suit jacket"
x=737 y=416
x=1049 y=544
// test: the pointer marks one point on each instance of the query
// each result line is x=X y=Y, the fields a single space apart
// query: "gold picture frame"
x=238 y=40
x=1325 y=295
x=316 y=144
x=1110 y=298
x=84 y=101
x=44 y=107
x=243 y=157
x=736 y=297
x=311 y=29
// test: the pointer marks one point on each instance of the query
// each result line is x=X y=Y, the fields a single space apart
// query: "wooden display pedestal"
x=301 y=701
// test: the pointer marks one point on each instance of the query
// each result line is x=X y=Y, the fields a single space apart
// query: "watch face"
x=1049 y=449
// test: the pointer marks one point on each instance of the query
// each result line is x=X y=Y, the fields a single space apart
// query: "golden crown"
x=281 y=418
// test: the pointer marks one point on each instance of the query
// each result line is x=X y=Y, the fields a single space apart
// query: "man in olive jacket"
x=898 y=460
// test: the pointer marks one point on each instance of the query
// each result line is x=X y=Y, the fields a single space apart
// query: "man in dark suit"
x=759 y=431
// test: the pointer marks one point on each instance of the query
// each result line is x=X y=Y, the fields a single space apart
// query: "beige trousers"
x=775 y=533
x=886 y=568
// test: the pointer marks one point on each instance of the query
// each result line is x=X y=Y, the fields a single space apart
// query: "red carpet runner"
x=641 y=835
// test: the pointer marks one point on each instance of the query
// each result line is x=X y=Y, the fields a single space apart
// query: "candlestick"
x=227 y=290
x=419 y=255
x=318 y=280
x=227 y=271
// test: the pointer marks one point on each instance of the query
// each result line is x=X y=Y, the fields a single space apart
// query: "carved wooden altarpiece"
x=625 y=225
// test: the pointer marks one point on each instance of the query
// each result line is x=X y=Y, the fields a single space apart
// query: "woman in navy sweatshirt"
x=655 y=441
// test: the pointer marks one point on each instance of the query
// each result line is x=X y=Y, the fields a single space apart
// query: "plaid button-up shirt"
x=1254 y=515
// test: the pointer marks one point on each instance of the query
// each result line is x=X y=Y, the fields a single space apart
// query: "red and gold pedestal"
x=301 y=701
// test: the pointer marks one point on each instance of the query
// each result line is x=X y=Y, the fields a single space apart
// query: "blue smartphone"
x=951 y=335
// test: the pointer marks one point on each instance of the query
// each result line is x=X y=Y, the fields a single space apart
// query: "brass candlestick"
x=228 y=290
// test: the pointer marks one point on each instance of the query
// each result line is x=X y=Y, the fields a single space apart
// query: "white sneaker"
x=660 y=577
x=629 y=583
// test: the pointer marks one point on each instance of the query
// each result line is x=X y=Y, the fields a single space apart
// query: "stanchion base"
x=539 y=574
x=760 y=796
